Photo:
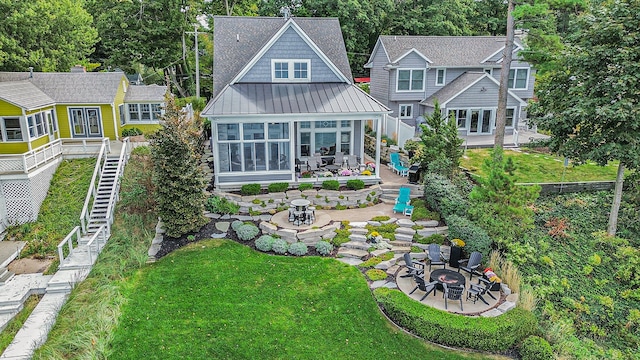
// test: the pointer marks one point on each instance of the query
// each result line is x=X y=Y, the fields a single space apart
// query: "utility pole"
x=195 y=33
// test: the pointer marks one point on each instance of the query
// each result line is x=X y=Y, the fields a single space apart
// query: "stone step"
x=404 y=237
x=401 y=249
x=358 y=238
x=405 y=223
x=5 y=276
x=352 y=253
x=357 y=245
x=405 y=230
x=428 y=223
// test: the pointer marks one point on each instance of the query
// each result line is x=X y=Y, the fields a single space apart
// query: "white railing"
x=97 y=240
x=515 y=137
x=92 y=191
x=69 y=240
x=31 y=159
x=84 y=146
x=113 y=198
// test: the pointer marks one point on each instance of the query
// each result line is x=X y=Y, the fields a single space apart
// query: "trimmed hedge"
x=536 y=348
x=443 y=196
x=495 y=334
x=250 y=189
x=278 y=187
x=331 y=185
x=474 y=236
x=355 y=184
x=305 y=186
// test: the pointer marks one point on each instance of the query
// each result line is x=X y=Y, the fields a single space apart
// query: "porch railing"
x=95 y=179
x=73 y=237
x=32 y=159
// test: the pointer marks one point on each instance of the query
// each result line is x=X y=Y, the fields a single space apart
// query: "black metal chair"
x=428 y=288
x=477 y=291
x=414 y=267
x=471 y=264
x=435 y=257
x=453 y=293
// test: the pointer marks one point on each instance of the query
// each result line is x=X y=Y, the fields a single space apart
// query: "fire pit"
x=446 y=276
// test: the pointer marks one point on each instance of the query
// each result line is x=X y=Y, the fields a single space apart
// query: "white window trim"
x=43 y=120
x=515 y=72
x=339 y=129
x=142 y=122
x=411 y=70
x=84 y=109
x=444 y=76
x=3 y=126
x=291 y=63
x=400 y=106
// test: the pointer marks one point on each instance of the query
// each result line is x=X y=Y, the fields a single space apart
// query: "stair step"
x=357 y=245
x=5 y=276
x=352 y=253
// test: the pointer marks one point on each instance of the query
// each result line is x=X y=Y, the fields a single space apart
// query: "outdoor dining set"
x=300 y=213
x=317 y=162
x=451 y=283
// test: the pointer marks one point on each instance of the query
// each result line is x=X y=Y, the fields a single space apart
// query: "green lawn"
x=541 y=168
x=217 y=299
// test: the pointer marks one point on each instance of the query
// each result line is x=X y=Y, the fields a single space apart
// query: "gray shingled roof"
x=24 y=94
x=453 y=88
x=238 y=39
x=137 y=93
x=322 y=98
x=73 y=88
x=445 y=50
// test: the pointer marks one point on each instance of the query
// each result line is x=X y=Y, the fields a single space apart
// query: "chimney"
x=78 y=69
x=30 y=72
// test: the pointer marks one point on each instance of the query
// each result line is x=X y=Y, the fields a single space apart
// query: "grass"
x=541 y=168
x=219 y=299
x=60 y=211
x=7 y=335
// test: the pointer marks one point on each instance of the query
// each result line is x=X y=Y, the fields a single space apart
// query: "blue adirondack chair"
x=403 y=199
x=397 y=164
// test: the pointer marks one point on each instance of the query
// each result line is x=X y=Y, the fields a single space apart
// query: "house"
x=283 y=91
x=45 y=117
x=409 y=73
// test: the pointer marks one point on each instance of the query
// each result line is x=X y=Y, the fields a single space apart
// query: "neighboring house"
x=409 y=73
x=283 y=91
x=39 y=112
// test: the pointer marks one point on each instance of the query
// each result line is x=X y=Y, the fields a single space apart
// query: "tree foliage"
x=48 y=35
x=431 y=17
x=439 y=151
x=178 y=180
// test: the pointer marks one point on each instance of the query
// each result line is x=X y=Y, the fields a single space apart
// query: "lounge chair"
x=471 y=264
x=453 y=293
x=477 y=291
x=403 y=199
x=435 y=257
x=398 y=167
x=428 y=288
x=413 y=267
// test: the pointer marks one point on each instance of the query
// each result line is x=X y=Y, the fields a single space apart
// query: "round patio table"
x=446 y=276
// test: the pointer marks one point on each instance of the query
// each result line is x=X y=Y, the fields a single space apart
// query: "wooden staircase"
x=106 y=185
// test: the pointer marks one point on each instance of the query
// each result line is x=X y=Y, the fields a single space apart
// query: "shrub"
x=376 y=274
x=279 y=246
x=495 y=334
x=250 y=189
x=236 y=224
x=342 y=236
x=220 y=205
x=305 y=186
x=370 y=262
x=474 y=236
x=137 y=187
x=355 y=184
x=380 y=218
x=324 y=248
x=247 y=232
x=421 y=213
x=331 y=185
x=536 y=348
x=298 y=249
x=265 y=243
x=278 y=187
x=433 y=239
x=131 y=132
x=443 y=196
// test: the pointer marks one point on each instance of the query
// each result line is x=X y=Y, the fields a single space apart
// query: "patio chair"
x=352 y=162
x=338 y=158
x=477 y=291
x=471 y=264
x=428 y=288
x=414 y=267
x=453 y=293
x=403 y=199
x=435 y=258
x=398 y=167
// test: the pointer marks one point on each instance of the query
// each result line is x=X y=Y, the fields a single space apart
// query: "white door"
x=480 y=122
x=85 y=122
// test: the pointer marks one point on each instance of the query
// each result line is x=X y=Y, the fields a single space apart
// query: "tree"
x=48 y=35
x=503 y=91
x=179 y=182
x=488 y=17
x=431 y=17
x=440 y=150
x=590 y=102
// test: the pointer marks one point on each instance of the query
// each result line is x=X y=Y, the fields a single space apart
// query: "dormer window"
x=290 y=70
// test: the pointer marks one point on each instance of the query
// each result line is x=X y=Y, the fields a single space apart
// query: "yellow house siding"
x=119 y=100
x=39 y=141
x=64 y=125
x=106 y=116
x=8 y=109
x=13 y=147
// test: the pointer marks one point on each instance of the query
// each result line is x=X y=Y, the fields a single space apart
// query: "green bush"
x=495 y=334
x=355 y=184
x=265 y=243
x=324 y=248
x=370 y=262
x=331 y=185
x=434 y=239
x=443 y=196
x=137 y=188
x=280 y=246
x=278 y=187
x=236 y=224
x=376 y=274
x=131 y=132
x=220 y=205
x=422 y=213
x=250 y=189
x=298 y=249
x=536 y=348
x=474 y=236
x=247 y=232
x=305 y=186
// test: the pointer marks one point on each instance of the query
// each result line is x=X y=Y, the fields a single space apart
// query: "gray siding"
x=412 y=61
x=379 y=86
x=474 y=97
x=395 y=107
x=289 y=46
x=237 y=178
x=450 y=75
x=523 y=94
